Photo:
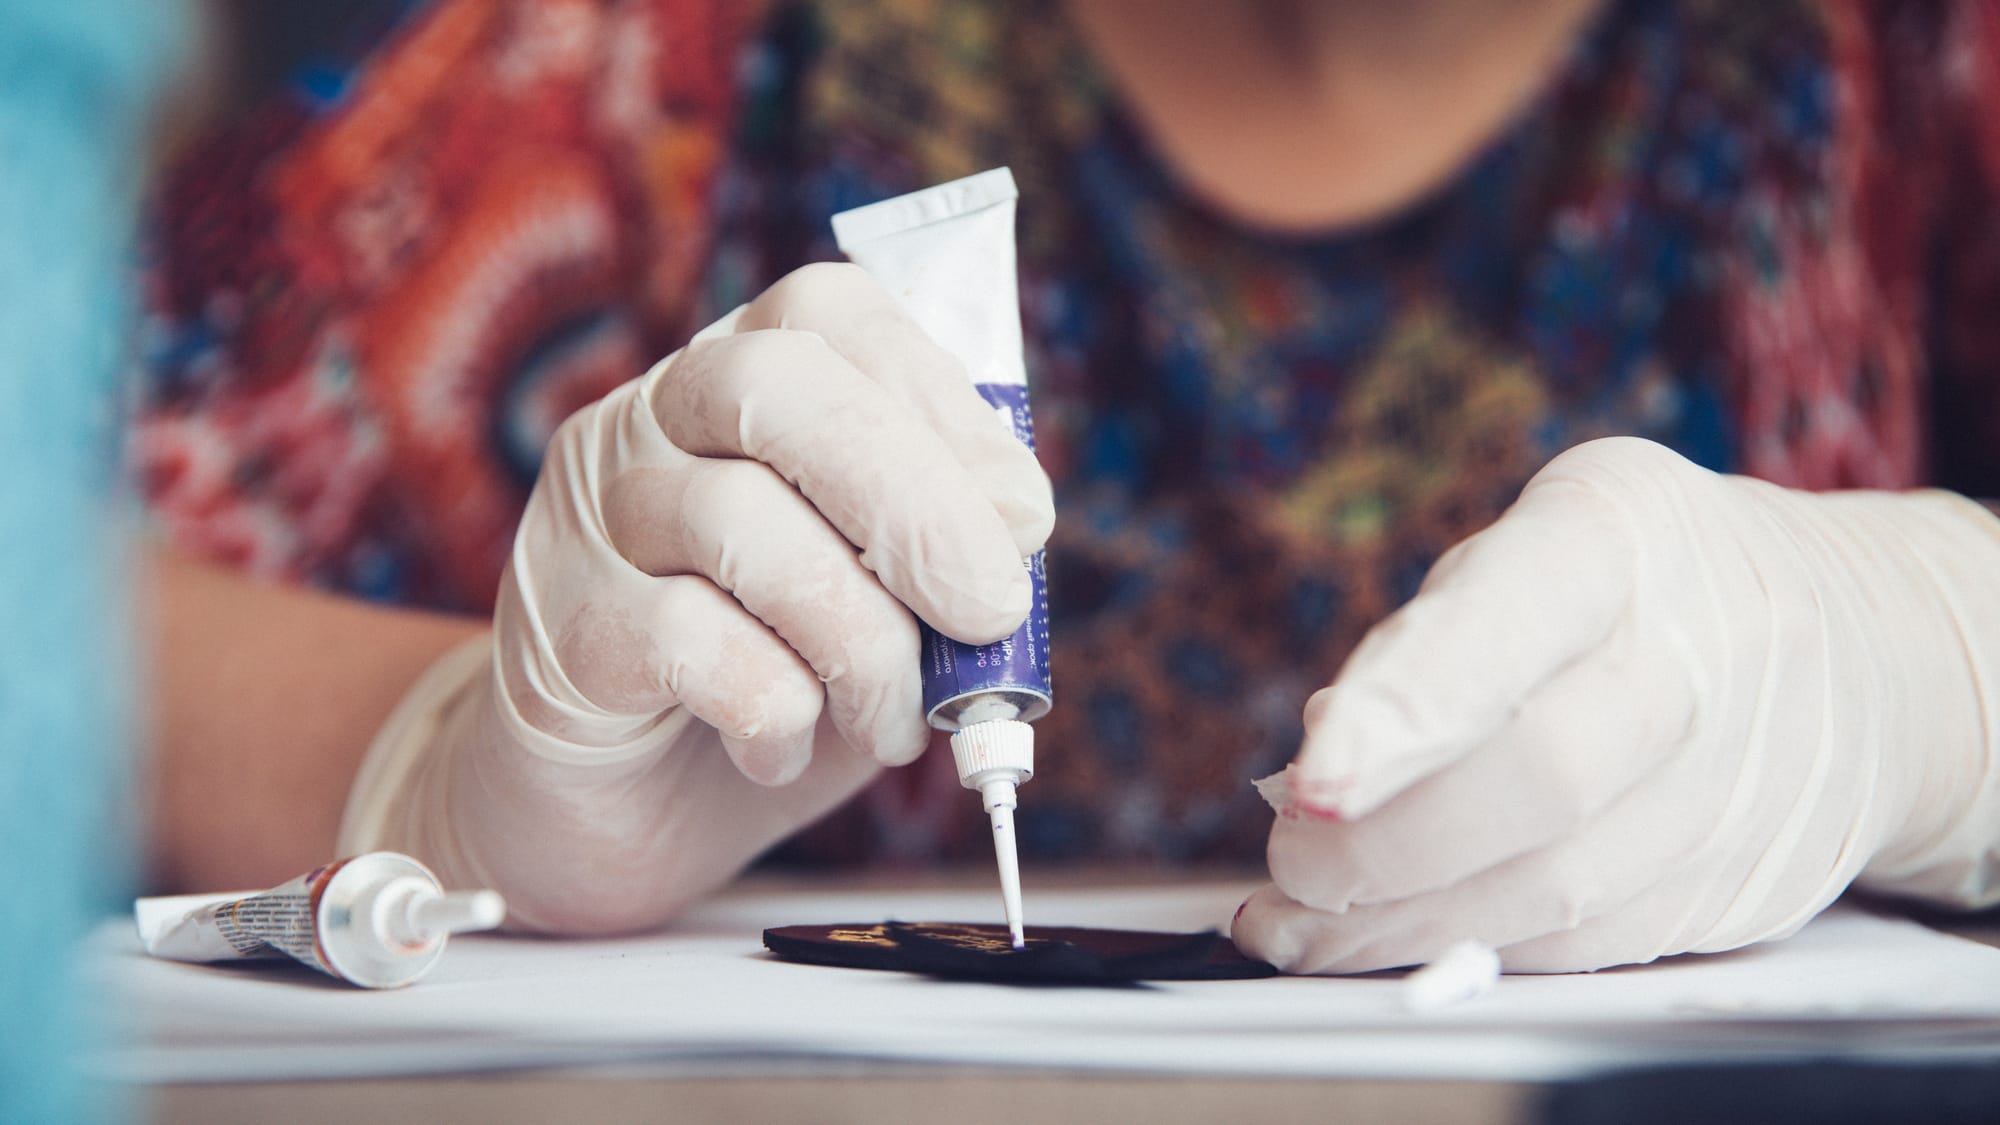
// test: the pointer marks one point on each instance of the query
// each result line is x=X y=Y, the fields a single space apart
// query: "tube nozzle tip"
x=461 y=911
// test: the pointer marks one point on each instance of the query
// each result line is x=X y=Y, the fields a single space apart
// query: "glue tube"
x=378 y=920
x=947 y=253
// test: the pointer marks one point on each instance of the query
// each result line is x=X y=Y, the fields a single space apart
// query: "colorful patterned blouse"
x=1762 y=234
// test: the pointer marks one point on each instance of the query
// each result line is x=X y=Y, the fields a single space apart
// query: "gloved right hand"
x=714 y=591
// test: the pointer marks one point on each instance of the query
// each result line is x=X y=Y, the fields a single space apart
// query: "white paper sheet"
x=706 y=998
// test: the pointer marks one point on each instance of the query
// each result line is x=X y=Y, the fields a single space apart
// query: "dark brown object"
x=982 y=951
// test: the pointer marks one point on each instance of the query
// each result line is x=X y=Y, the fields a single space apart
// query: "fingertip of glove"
x=1296 y=937
x=1030 y=522
x=1257 y=929
x=1026 y=503
x=1347 y=768
x=989 y=614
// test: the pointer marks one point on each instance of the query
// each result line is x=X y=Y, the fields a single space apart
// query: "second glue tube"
x=947 y=253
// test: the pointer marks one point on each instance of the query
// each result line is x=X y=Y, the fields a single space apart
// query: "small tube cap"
x=1001 y=744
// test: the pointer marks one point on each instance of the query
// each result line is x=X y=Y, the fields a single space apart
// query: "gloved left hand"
x=1651 y=710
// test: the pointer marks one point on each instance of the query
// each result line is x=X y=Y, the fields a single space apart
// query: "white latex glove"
x=714 y=591
x=1650 y=710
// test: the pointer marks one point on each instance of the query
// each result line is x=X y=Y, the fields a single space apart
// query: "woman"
x=1311 y=292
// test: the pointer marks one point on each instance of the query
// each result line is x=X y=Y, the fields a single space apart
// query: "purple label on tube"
x=1016 y=667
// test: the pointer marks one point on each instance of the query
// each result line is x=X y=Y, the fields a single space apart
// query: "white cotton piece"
x=1465 y=971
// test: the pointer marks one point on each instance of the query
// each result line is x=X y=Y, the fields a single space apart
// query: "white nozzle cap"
x=1000 y=749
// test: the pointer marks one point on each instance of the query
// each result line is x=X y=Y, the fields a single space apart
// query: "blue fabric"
x=77 y=78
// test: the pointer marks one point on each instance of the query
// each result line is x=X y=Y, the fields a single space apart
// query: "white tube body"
x=377 y=920
x=947 y=253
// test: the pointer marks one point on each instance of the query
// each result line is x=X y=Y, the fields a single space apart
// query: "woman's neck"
x=1295 y=115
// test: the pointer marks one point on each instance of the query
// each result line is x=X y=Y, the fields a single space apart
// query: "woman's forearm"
x=263 y=699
